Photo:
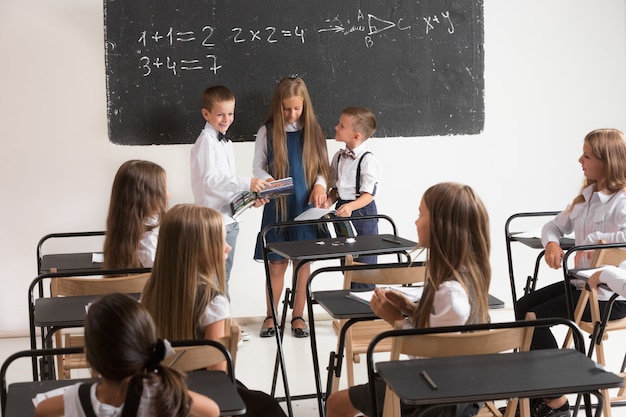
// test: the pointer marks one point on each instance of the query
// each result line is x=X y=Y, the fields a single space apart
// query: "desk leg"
x=316 y=365
x=278 y=334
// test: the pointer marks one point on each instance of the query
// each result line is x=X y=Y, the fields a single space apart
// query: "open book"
x=414 y=294
x=239 y=202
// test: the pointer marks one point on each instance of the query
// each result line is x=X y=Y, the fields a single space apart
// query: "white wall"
x=554 y=70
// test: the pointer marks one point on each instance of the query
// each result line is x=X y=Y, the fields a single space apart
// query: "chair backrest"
x=191 y=355
x=454 y=344
x=69 y=286
x=608 y=256
x=384 y=275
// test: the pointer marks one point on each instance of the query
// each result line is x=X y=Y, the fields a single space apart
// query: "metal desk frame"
x=289 y=298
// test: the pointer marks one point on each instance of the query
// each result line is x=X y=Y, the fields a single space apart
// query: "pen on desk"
x=429 y=380
x=386 y=239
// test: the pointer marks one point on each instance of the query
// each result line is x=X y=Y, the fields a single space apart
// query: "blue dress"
x=295 y=203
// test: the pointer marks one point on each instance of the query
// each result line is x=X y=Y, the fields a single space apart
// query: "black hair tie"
x=156 y=356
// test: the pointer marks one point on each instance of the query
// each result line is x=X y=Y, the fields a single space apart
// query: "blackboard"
x=418 y=64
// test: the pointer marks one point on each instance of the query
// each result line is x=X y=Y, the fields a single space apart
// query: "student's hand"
x=257 y=185
x=384 y=307
x=594 y=280
x=554 y=255
x=344 y=211
x=328 y=203
x=404 y=303
x=260 y=202
x=318 y=196
x=582 y=255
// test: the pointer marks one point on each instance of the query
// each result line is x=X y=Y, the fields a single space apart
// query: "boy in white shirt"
x=214 y=176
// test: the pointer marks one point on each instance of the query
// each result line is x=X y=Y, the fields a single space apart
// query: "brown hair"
x=216 y=94
x=121 y=342
x=364 y=120
x=188 y=270
x=139 y=191
x=459 y=248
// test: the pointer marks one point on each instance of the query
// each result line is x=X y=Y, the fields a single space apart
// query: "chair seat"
x=612 y=325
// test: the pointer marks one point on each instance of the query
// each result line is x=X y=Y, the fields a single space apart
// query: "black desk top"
x=64 y=262
x=63 y=311
x=535 y=242
x=321 y=249
x=538 y=373
x=214 y=384
x=340 y=306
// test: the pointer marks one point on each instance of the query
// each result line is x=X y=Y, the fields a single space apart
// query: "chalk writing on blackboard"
x=419 y=66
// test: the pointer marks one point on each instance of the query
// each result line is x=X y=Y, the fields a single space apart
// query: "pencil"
x=386 y=239
x=429 y=380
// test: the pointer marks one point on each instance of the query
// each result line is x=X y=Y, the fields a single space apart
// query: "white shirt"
x=615 y=279
x=148 y=243
x=451 y=306
x=218 y=309
x=343 y=173
x=600 y=216
x=214 y=177
x=71 y=403
x=260 y=163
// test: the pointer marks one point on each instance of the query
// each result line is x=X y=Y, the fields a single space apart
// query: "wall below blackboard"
x=417 y=65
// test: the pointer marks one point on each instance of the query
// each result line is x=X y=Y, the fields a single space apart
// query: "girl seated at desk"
x=453 y=226
x=138 y=202
x=121 y=345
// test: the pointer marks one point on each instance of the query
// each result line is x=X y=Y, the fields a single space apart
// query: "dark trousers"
x=549 y=302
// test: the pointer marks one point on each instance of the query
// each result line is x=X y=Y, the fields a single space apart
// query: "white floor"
x=255 y=362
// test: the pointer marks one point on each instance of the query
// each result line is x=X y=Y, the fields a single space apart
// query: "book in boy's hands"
x=239 y=202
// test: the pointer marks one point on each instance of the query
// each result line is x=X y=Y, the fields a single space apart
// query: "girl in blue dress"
x=290 y=143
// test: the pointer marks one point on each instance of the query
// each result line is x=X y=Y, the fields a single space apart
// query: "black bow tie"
x=221 y=136
x=347 y=153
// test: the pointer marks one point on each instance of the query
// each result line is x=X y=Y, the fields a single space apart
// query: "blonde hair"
x=188 y=270
x=314 y=152
x=609 y=146
x=364 y=120
x=139 y=191
x=459 y=248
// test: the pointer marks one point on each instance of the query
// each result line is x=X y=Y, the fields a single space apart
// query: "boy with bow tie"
x=214 y=176
x=354 y=173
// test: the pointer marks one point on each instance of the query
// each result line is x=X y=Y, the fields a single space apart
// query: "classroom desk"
x=461 y=379
x=339 y=306
x=54 y=313
x=530 y=242
x=302 y=252
x=68 y=262
x=214 y=384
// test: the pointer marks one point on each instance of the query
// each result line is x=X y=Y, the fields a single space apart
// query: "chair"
x=599 y=326
x=191 y=355
x=75 y=286
x=360 y=334
x=429 y=343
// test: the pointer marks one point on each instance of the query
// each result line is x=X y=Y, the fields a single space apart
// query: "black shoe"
x=267 y=331
x=542 y=409
x=299 y=332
